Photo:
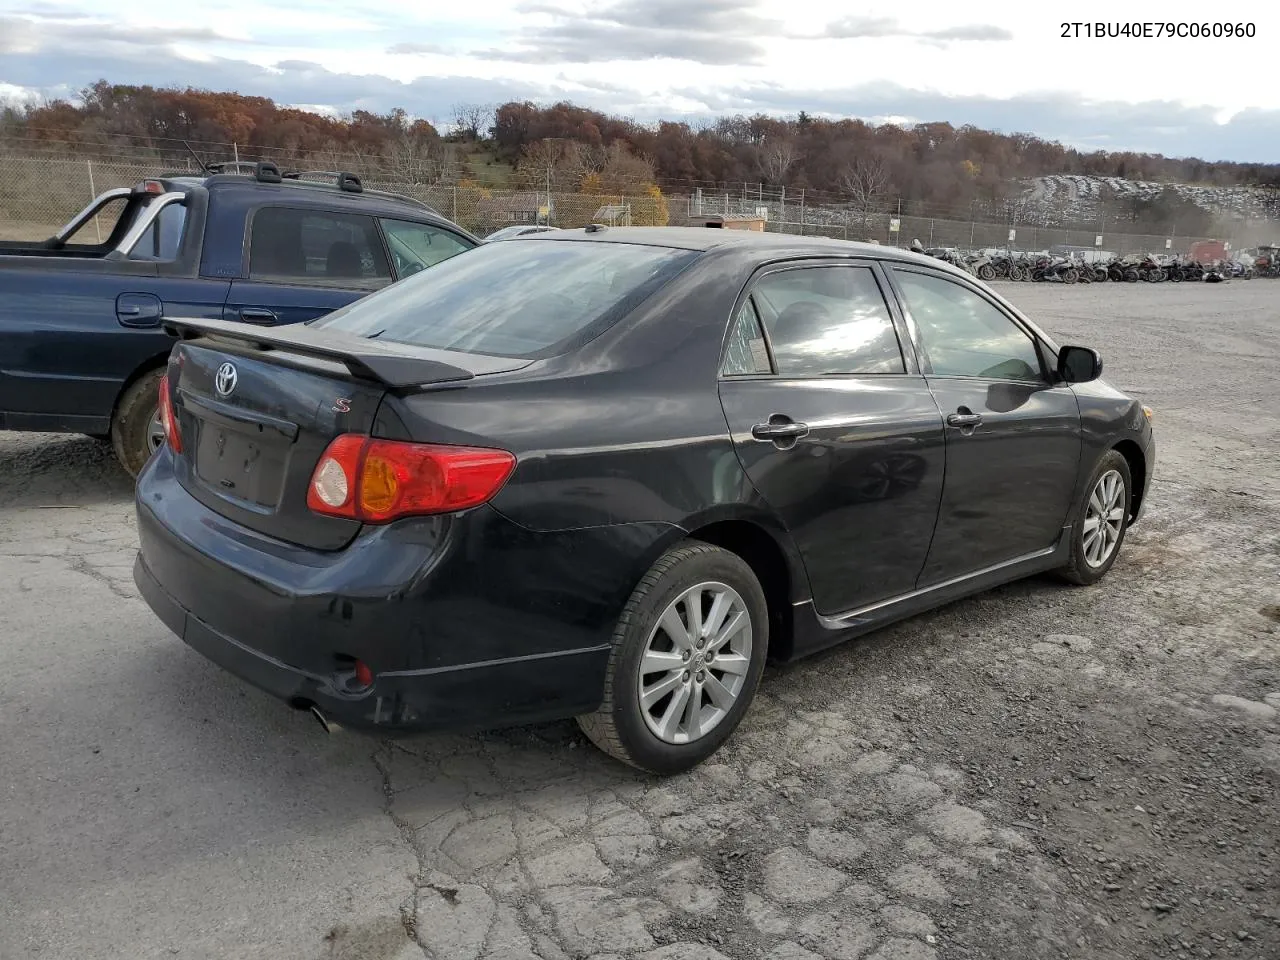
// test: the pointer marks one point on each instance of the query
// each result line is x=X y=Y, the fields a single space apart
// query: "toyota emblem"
x=224 y=380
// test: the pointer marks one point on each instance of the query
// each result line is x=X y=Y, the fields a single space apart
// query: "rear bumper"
x=473 y=696
x=467 y=622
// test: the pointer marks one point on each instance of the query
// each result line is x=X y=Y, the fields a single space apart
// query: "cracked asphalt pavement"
x=1041 y=771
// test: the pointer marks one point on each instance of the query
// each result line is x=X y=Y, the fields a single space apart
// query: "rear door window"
x=747 y=354
x=293 y=245
x=523 y=298
x=828 y=321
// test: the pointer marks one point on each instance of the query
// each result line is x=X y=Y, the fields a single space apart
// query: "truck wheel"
x=136 y=431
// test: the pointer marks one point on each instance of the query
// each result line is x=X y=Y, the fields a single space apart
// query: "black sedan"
x=605 y=473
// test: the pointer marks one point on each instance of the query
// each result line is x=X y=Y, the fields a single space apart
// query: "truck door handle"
x=257 y=315
x=964 y=419
x=780 y=429
x=138 y=309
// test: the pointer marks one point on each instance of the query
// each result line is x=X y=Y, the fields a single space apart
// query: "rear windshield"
x=522 y=298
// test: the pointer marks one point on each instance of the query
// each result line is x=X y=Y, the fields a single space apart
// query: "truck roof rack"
x=352 y=183
x=264 y=171
x=347 y=182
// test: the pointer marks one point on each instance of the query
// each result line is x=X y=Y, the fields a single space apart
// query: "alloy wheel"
x=1104 y=519
x=695 y=663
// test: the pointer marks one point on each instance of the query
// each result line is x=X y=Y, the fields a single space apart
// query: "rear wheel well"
x=1132 y=454
x=765 y=558
x=147 y=366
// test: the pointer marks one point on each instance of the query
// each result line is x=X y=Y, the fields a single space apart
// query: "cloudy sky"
x=998 y=64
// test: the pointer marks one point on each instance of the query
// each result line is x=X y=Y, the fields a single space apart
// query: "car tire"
x=132 y=425
x=626 y=729
x=1088 y=561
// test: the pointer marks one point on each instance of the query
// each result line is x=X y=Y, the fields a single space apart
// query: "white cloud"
x=883 y=58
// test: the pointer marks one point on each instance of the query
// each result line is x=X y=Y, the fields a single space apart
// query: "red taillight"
x=167 y=419
x=364 y=676
x=152 y=186
x=376 y=481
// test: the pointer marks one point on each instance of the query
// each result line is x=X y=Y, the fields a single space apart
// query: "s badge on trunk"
x=224 y=381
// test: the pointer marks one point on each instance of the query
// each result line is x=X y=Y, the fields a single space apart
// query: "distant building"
x=525 y=207
x=729 y=222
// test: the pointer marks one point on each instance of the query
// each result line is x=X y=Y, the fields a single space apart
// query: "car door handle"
x=964 y=419
x=787 y=430
x=257 y=315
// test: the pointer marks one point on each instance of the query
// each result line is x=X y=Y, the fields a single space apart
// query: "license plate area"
x=241 y=464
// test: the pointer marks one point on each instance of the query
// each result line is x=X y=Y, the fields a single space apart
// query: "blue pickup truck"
x=81 y=345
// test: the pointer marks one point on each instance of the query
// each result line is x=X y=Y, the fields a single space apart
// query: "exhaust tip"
x=329 y=726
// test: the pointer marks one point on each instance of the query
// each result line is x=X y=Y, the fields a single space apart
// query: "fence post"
x=782 y=208
x=454 y=218
x=802 y=211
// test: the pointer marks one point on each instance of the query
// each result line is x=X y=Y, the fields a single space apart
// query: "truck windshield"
x=520 y=298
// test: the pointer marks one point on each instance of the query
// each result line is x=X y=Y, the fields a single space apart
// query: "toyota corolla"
x=606 y=473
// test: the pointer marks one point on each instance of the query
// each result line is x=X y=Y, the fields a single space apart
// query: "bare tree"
x=865 y=180
x=419 y=160
x=541 y=164
x=471 y=120
x=777 y=156
x=583 y=159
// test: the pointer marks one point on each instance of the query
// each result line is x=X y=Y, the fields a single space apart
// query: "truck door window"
x=164 y=237
x=416 y=246
x=334 y=249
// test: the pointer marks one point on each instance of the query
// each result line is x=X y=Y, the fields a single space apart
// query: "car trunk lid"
x=256 y=408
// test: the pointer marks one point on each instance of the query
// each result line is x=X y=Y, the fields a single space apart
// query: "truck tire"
x=134 y=427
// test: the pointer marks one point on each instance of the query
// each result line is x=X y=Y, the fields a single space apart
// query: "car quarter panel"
x=628 y=430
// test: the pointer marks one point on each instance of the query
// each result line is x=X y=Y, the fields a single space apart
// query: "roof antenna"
x=204 y=167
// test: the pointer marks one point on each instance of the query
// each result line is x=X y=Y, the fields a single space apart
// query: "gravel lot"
x=1042 y=771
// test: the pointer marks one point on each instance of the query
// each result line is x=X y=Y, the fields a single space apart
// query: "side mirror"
x=1079 y=364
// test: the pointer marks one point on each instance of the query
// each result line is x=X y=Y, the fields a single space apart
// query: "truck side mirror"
x=1079 y=364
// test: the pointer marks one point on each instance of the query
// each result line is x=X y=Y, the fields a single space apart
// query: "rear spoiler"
x=393 y=365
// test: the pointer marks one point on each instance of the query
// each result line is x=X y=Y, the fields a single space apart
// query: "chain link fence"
x=39 y=194
x=845 y=222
